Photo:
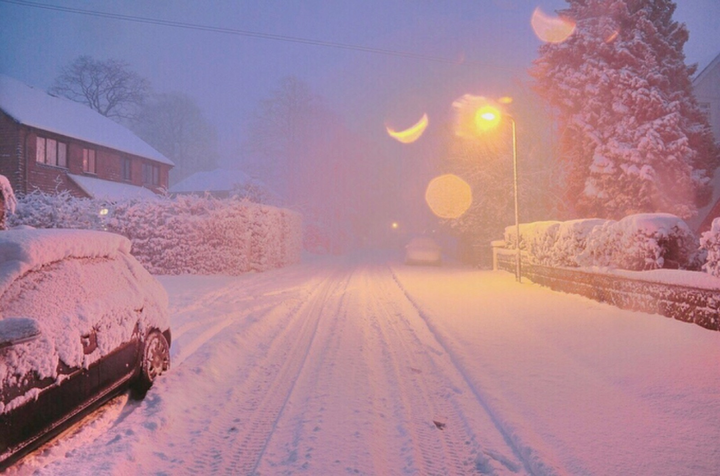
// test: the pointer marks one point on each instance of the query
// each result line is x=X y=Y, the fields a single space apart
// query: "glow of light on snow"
x=448 y=196
x=551 y=29
x=410 y=134
x=474 y=115
x=395 y=225
x=505 y=100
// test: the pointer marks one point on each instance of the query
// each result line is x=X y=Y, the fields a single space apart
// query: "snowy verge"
x=687 y=296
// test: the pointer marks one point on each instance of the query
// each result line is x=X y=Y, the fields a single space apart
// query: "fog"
x=363 y=68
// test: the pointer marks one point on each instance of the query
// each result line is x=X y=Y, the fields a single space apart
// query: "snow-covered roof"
x=36 y=108
x=218 y=180
x=696 y=221
x=705 y=66
x=108 y=190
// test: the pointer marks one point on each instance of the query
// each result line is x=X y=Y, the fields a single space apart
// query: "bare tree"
x=174 y=124
x=306 y=154
x=108 y=86
x=281 y=135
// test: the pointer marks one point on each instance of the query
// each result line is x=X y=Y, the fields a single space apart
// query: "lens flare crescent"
x=411 y=134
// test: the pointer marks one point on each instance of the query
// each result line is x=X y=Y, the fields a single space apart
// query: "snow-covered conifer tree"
x=632 y=137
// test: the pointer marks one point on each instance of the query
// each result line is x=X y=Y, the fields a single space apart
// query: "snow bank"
x=73 y=283
x=183 y=235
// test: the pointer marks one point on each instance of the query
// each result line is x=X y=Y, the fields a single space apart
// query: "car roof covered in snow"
x=25 y=249
x=36 y=108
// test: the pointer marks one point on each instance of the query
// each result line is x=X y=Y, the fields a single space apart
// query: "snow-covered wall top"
x=22 y=250
x=36 y=108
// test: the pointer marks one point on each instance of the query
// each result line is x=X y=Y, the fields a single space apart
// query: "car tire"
x=155 y=361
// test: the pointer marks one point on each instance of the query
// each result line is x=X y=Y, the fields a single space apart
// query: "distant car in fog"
x=80 y=321
x=423 y=250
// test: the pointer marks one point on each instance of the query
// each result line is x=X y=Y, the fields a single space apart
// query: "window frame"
x=89 y=161
x=151 y=174
x=52 y=152
x=126 y=169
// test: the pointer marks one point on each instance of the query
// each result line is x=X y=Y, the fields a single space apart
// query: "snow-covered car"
x=423 y=250
x=80 y=321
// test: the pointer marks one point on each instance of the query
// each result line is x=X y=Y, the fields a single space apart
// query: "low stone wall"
x=687 y=304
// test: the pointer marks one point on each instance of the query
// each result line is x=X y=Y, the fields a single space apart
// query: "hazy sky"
x=227 y=74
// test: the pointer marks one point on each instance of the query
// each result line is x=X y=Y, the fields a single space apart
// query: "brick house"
x=706 y=86
x=54 y=144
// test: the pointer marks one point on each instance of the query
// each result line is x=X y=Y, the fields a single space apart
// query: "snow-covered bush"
x=203 y=235
x=186 y=234
x=641 y=242
x=537 y=238
x=527 y=233
x=710 y=243
x=42 y=210
x=637 y=242
x=7 y=201
x=572 y=240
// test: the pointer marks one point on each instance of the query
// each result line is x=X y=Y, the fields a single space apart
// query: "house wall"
x=11 y=151
x=707 y=93
x=26 y=174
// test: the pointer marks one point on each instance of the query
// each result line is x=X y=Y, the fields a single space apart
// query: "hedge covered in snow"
x=186 y=234
x=710 y=243
x=637 y=242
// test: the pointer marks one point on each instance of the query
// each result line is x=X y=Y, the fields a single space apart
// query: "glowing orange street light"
x=489 y=116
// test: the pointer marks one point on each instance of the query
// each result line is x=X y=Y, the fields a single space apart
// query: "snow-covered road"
x=366 y=366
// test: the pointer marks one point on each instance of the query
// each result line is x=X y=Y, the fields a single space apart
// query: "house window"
x=51 y=152
x=126 y=169
x=89 y=161
x=151 y=174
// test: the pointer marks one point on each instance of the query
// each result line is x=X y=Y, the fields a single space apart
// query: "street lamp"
x=486 y=117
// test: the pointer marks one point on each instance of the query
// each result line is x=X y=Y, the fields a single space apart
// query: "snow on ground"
x=357 y=366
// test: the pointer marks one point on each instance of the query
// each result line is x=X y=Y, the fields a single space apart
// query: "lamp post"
x=493 y=115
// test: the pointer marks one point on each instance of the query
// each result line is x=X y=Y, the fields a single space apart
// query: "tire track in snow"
x=366 y=398
x=239 y=431
x=447 y=428
x=324 y=427
x=530 y=459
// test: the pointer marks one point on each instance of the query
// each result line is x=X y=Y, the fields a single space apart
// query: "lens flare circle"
x=551 y=29
x=410 y=135
x=448 y=196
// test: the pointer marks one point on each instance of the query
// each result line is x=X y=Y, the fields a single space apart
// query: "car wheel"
x=155 y=361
